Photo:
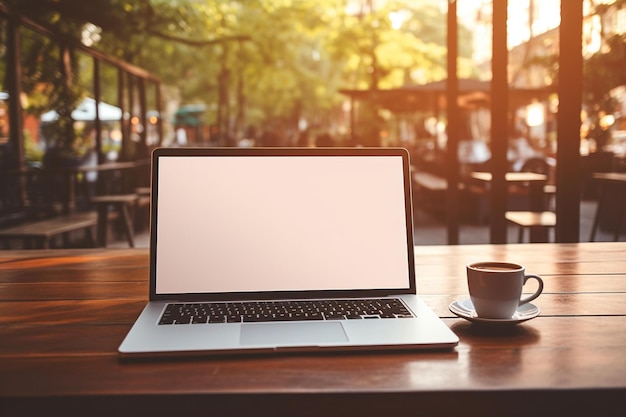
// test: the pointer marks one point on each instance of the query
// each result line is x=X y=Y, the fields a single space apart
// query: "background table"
x=63 y=314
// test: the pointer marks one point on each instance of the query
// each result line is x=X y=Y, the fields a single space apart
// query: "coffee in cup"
x=496 y=288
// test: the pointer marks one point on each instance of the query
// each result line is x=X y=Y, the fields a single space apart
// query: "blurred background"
x=106 y=81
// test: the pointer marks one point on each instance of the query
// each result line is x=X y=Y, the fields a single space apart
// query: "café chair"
x=534 y=219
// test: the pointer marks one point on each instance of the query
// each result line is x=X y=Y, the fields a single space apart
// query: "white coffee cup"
x=496 y=288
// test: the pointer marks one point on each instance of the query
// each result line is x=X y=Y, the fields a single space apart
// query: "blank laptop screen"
x=280 y=223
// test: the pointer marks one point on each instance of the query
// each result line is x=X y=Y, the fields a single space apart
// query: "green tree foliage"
x=603 y=72
x=260 y=62
x=402 y=42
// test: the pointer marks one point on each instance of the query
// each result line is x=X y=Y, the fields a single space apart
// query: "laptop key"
x=199 y=319
x=217 y=319
x=251 y=318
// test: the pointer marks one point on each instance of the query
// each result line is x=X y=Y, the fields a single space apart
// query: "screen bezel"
x=159 y=153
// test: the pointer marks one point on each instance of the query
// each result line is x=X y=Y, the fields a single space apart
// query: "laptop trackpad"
x=278 y=334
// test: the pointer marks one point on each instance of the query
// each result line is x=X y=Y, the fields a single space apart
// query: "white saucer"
x=465 y=309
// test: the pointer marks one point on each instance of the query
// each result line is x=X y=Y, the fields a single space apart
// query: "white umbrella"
x=86 y=111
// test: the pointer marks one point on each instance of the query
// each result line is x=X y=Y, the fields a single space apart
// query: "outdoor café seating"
x=60 y=202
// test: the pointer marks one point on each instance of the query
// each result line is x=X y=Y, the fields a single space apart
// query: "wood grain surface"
x=63 y=313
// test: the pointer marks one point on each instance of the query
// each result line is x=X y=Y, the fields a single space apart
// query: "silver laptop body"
x=275 y=227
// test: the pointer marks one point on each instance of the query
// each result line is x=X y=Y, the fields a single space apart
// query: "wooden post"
x=157 y=92
x=97 y=97
x=452 y=159
x=142 y=146
x=67 y=75
x=352 y=119
x=124 y=122
x=131 y=146
x=568 y=177
x=498 y=197
x=14 y=88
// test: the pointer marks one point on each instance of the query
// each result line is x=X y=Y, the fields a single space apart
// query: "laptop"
x=269 y=250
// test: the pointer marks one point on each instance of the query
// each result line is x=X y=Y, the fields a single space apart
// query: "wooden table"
x=63 y=314
x=536 y=184
x=65 y=181
x=511 y=177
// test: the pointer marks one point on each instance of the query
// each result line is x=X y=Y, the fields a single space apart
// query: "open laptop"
x=259 y=250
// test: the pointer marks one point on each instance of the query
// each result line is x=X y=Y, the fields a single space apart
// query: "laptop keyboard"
x=268 y=311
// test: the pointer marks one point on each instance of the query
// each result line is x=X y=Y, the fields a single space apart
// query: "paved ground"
x=429 y=230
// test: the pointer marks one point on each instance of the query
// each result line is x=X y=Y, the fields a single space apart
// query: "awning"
x=426 y=97
x=189 y=115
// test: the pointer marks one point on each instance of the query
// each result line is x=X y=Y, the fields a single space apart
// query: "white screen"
x=240 y=223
